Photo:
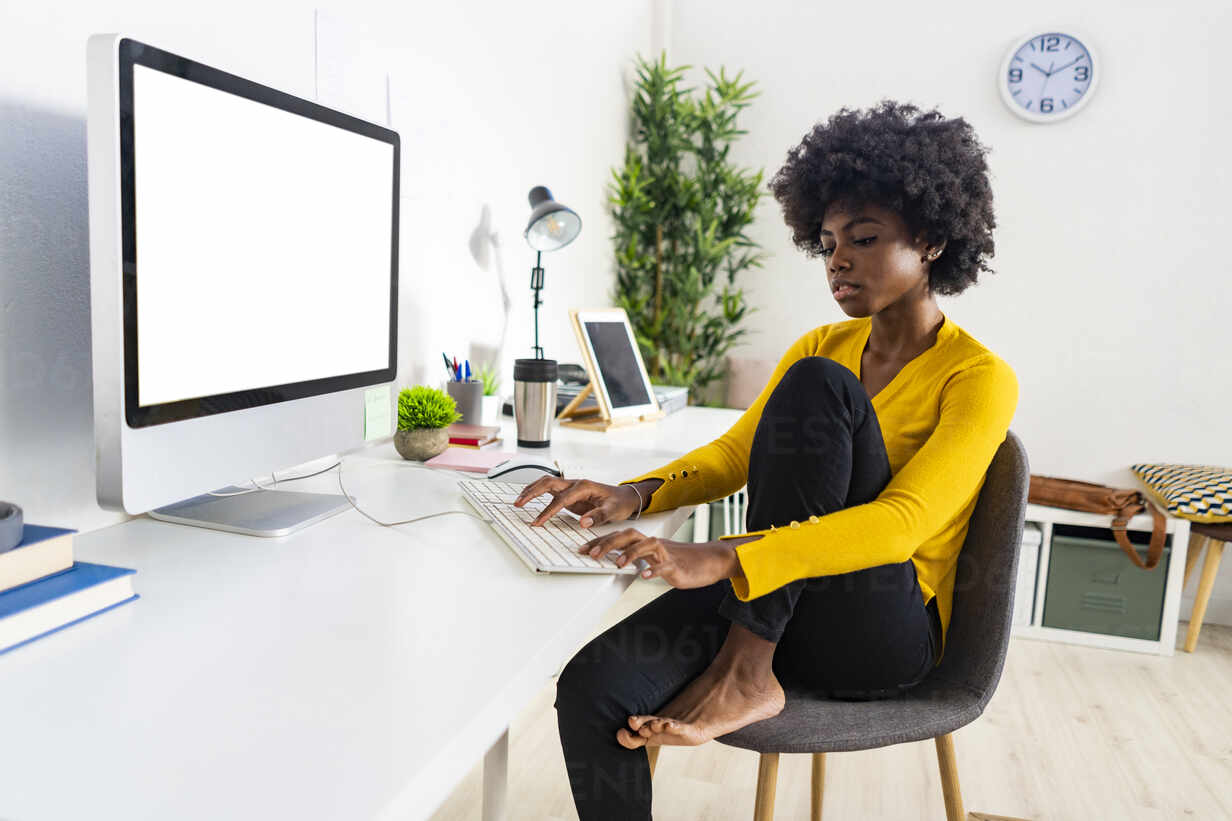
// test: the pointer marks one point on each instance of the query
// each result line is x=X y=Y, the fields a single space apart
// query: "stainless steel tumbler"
x=534 y=401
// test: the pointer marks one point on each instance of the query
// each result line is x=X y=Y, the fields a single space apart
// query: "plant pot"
x=491 y=410
x=421 y=444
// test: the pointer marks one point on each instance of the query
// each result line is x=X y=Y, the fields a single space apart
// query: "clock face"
x=1048 y=77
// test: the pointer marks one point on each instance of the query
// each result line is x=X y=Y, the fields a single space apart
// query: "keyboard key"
x=553 y=546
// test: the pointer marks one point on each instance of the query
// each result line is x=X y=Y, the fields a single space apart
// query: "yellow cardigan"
x=942 y=417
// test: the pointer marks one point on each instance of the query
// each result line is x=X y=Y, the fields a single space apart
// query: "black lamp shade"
x=551 y=225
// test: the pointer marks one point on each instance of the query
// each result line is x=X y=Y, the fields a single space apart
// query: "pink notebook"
x=476 y=461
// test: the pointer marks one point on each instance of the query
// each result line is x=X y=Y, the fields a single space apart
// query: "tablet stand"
x=571 y=416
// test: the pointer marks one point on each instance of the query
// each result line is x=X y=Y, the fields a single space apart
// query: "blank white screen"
x=263 y=243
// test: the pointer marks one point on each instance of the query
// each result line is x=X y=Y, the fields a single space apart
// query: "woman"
x=864 y=457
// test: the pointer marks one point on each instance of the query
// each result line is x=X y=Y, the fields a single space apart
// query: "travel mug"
x=534 y=401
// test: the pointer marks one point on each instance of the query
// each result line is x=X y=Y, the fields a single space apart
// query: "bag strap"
x=1155 y=550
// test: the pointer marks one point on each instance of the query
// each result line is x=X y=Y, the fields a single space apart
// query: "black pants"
x=866 y=634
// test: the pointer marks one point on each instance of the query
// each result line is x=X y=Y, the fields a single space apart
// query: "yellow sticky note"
x=377 y=416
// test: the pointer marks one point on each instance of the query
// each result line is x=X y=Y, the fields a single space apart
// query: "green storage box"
x=1095 y=588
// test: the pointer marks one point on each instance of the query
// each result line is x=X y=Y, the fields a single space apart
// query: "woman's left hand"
x=680 y=564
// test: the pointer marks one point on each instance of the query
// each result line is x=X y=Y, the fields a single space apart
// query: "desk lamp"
x=551 y=226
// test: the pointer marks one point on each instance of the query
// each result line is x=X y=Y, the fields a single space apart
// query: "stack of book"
x=43 y=590
x=473 y=436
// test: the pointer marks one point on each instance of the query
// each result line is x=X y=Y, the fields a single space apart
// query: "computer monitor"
x=244 y=284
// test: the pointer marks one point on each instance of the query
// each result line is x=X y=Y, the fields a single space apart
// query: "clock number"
x=1015 y=75
x=1081 y=74
x=1050 y=43
x=1046 y=105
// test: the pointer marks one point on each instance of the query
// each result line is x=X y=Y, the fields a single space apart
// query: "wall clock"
x=1047 y=77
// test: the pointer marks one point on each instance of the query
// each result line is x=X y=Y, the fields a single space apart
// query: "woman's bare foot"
x=738 y=689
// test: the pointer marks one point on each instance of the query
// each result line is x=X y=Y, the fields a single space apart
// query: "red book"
x=473 y=435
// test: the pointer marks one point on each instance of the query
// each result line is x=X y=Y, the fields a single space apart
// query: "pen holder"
x=469 y=398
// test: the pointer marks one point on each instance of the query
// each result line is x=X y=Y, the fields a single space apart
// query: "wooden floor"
x=1071 y=733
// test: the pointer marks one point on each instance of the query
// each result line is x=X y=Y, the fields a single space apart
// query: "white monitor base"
x=260 y=513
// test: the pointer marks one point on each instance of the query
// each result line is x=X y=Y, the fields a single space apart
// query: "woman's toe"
x=636 y=722
x=628 y=740
x=662 y=725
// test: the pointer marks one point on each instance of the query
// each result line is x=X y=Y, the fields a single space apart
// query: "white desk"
x=348 y=671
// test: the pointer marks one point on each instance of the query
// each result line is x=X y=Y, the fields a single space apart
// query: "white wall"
x=1112 y=280
x=1114 y=286
x=491 y=99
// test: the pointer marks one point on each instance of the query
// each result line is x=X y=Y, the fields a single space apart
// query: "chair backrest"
x=983 y=607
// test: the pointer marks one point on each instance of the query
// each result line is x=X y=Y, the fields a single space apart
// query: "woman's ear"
x=930 y=251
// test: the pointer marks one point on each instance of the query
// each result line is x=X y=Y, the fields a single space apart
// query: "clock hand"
x=1040 y=70
x=1067 y=65
x=1047 y=77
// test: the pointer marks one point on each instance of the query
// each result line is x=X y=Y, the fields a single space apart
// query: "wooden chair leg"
x=1196 y=542
x=1214 y=549
x=949 y=778
x=652 y=753
x=767 y=779
x=819 y=784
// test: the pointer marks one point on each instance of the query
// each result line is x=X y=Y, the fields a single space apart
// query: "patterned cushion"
x=1199 y=492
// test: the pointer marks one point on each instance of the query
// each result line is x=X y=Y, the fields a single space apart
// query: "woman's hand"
x=595 y=502
x=680 y=564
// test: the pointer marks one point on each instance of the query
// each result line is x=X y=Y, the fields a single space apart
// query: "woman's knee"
x=819 y=369
x=819 y=390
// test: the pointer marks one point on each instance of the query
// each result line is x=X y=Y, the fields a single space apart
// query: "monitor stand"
x=259 y=513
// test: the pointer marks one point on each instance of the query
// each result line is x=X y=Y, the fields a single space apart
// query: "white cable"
x=257 y=487
x=351 y=501
x=404 y=521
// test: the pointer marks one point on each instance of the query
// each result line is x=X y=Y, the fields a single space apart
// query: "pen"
x=448 y=368
x=468 y=370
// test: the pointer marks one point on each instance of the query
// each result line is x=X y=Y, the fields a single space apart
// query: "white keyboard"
x=552 y=548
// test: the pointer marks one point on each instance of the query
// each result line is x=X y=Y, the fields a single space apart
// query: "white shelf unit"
x=1046 y=518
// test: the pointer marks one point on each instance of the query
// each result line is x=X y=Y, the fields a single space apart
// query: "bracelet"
x=638 y=514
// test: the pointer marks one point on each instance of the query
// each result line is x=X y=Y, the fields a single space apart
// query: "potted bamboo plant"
x=681 y=208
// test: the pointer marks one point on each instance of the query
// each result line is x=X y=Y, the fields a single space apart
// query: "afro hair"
x=928 y=169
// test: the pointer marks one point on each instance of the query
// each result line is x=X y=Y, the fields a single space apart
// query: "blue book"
x=43 y=551
x=41 y=607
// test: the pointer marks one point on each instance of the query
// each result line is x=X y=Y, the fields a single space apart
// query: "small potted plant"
x=491 y=402
x=423 y=415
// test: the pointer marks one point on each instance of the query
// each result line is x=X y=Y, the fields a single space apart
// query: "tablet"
x=614 y=362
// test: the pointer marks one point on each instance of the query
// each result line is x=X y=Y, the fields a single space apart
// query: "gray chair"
x=953 y=695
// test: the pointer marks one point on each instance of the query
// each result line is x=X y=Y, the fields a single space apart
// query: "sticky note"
x=377 y=416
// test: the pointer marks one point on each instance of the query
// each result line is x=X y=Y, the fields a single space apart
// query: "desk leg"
x=496 y=778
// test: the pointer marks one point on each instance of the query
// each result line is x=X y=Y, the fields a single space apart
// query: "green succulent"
x=424 y=407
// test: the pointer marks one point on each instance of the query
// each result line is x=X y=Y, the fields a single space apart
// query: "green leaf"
x=425 y=407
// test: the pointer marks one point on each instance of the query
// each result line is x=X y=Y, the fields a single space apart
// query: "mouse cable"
x=404 y=521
